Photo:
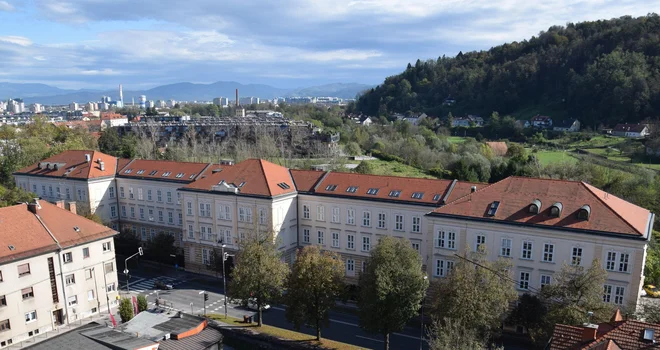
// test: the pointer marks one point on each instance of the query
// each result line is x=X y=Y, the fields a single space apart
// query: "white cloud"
x=5 y=6
x=18 y=40
x=105 y=71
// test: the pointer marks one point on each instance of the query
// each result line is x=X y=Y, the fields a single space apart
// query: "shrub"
x=142 y=303
x=126 y=309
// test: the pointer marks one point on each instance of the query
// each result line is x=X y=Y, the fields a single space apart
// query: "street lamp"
x=126 y=267
x=224 y=279
x=421 y=327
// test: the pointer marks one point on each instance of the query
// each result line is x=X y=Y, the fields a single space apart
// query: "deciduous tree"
x=313 y=286
x=391 y=287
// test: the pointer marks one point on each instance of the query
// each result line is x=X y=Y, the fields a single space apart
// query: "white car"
x=252 y=305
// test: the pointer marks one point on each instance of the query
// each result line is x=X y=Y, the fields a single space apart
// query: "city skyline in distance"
x=81 y=45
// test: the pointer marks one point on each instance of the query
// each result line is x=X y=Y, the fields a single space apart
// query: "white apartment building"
x=86 y=177
x=542 y=224
x=230 y=201
x=55 y=268
x=148 y=202
x=210 y=204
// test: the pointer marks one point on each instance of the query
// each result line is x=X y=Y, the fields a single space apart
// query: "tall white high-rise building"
x=73 y=106
x=143 y=101
x=36 y=108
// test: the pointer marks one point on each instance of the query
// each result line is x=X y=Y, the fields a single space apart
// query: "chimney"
x=473 y=189
x=102 y=166
x=73 y=208
x=88 y=158
x=34 y=206
x=589 y=332
x=60 y=204
x=236 y=97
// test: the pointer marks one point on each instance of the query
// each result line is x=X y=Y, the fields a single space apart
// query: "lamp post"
x=421 y=320
x=224 y=279
x=126 y=268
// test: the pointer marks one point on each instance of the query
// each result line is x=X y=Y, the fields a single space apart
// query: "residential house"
x=86 y=178
x=365 y=120
x=467 y=121
x=56 y=267
x=634 y=131
x=523 y=124
x=415 y=119
x=617 y=334
x=109 y=120
x=541 y=224
x=567 y=125
x=541 y=122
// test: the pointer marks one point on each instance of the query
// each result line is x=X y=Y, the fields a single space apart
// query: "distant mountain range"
x=50 y=95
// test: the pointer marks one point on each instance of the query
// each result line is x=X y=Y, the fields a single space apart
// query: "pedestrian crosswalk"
x=144 y=284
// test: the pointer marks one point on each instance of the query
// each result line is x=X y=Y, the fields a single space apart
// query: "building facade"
x=55 y=268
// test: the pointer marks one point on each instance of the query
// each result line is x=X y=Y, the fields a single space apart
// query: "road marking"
x=372 y=339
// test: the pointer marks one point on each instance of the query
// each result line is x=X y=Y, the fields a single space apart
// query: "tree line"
x=601 y=72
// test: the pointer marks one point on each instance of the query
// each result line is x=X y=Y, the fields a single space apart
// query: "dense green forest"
x=602 y=72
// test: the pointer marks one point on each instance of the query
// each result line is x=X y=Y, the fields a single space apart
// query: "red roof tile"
x=253 y=177
x=22 y=229
x=306 y=179
x=156 y=169
x=72 y=164
x=515 y=194
x=566 y=337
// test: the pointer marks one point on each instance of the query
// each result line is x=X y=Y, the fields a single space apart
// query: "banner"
x=135 y=305
x=112 y=318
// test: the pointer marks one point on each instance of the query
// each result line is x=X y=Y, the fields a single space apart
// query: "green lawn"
x=382 y=167
x=611 y=155
x=285 y=334
x=550 y=157
x=596 y=141
x=456 y=139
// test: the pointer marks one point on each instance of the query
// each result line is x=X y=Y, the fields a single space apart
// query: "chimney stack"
x=73 y=208
x=34 y=206
x=88 y=157
x=60 y=204
x=473 y=189
x=102 y=166
x=589 y=332
x=236 y=97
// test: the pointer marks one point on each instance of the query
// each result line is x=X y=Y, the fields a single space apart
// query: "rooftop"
x=24 y=233
x=161 y=170
x=73 y=165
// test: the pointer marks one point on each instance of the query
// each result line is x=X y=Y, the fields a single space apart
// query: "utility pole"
x=140 y=252
x=224 y=279
x=206 y=297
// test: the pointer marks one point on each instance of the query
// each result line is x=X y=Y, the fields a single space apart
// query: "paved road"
x=343 y=327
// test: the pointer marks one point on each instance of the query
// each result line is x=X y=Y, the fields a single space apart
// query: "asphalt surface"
x=343 y=327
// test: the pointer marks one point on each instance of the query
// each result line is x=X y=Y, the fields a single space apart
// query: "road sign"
x=125 y=271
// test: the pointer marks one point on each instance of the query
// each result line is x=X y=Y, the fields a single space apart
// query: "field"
x=550 y=157
x=456 y=139
x=594 y=142
x=382 y=167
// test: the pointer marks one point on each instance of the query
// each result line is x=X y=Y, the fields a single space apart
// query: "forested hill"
x=602 y=72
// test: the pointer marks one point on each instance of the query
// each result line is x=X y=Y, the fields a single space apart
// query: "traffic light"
x=206 y=296
x=140 y=251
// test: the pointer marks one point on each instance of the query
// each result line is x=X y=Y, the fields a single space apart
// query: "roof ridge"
x=263 y=172
x=478 y=190
x=587 y=187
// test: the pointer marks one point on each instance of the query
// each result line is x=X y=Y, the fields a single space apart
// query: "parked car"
x=252 y=305
x=161 y=285
x=652 y=291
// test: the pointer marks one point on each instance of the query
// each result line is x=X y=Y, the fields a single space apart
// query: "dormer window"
x=153 y=172
x=140 y=172
x=284 y=185
x=417 y=195
x=395 y=193
x=535 y=207
x=492 y=210
x=166 y=174
x=352 y=189
x=436 y=197
x=192 y=176
x=179 y=175
x=372 y=191
x=128 y=171
x=331 y=188
x=555 y=209
x=241 y=184
x=584 y=212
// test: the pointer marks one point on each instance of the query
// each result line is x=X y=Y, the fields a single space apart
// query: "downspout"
x=59 y=260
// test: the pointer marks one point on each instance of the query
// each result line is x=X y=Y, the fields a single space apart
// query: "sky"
x=98 y=44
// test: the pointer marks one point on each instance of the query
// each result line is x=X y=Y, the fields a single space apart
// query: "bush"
x=142 y=303
x=364 y=168
x=126 y=309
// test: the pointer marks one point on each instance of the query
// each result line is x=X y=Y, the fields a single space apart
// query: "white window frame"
x=335 y=239
x=306 y=235
x=576 y=256
x=336 y=215
x=619 y=294
x=350 y=216
x=382 y=220
x=366 y=243
x=479 y=240
x=350 y=241
x=607 y=293
x=320 y=237
x=189 y=208
x=527 y=253
x=305 y=211
x=545 y=280
x=523 y=280
x=439 y=268
x=31 y=316
x=399 y=222
x=416 y=224
x=366 y=218
x=624 y=262
x=350 y=267
x=548 y=252
x=506 y=245
x=320 y=212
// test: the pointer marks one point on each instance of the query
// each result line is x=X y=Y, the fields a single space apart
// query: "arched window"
x=584 y=212
x=535 y=207
x=555 y=209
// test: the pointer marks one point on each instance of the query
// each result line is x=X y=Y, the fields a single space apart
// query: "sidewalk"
x=99 y=318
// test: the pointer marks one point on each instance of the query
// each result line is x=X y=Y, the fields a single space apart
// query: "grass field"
x=596 y=141
x=285 y=334
x=456 y=139
x=382 y=167
x=611 y=155
x=550 y=157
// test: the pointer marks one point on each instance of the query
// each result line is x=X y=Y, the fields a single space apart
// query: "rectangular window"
x=618 y=295
x=506 y=247
x=366 y=218
x=88 y=274
x=366 y=243
x=607 y=293
x=27 y=293
x=320 y=213
x=320 y=237
x=159 y=195
x=350 y=267
x=545 y=280
x=449 y=265
x=415 y=246
x=149 y=195
x=111 y=191
x=439 y=268
x=31 y=316
x=123 y=211
x=382 y=220
x=189 y=210
x=4 y=325
x=416 y=224
x=180 y=222
x=480 y=243
x=72 y=300
x=576 y=256
x=121 y=192
x=3 y=300
x=170 y=217
x=548 y=252
x=132 y=212
x=228 y=236
x=161 y=218
x=67 y=257
x=335 y=215
x=206 y=257
x=523 y=283
x=306 y=235
x=70 y=279
x=398 y=222
x=140 y=197
x=262 y=216
x=107 y=246
x=130 y=193
x=111 y=287
x=85 y=253
x=623 y=262
x=143 y=233
x=305 y=211
x=335 y=239
x=109 y=267
x=350 y=216
x=526 y=252
x=169 y=197
x=141 y=213
x=68 y=193
x=610 y=261
x=191 y=232
x=90 y=294
x=350 y=242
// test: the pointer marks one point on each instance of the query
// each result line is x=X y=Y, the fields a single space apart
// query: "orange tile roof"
x=515 y=194
x=22 y=229
x=155 y=169
x=72 y=164
x=566 y=337
x=432 y=191
x=257 y=176
x=306 y=179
